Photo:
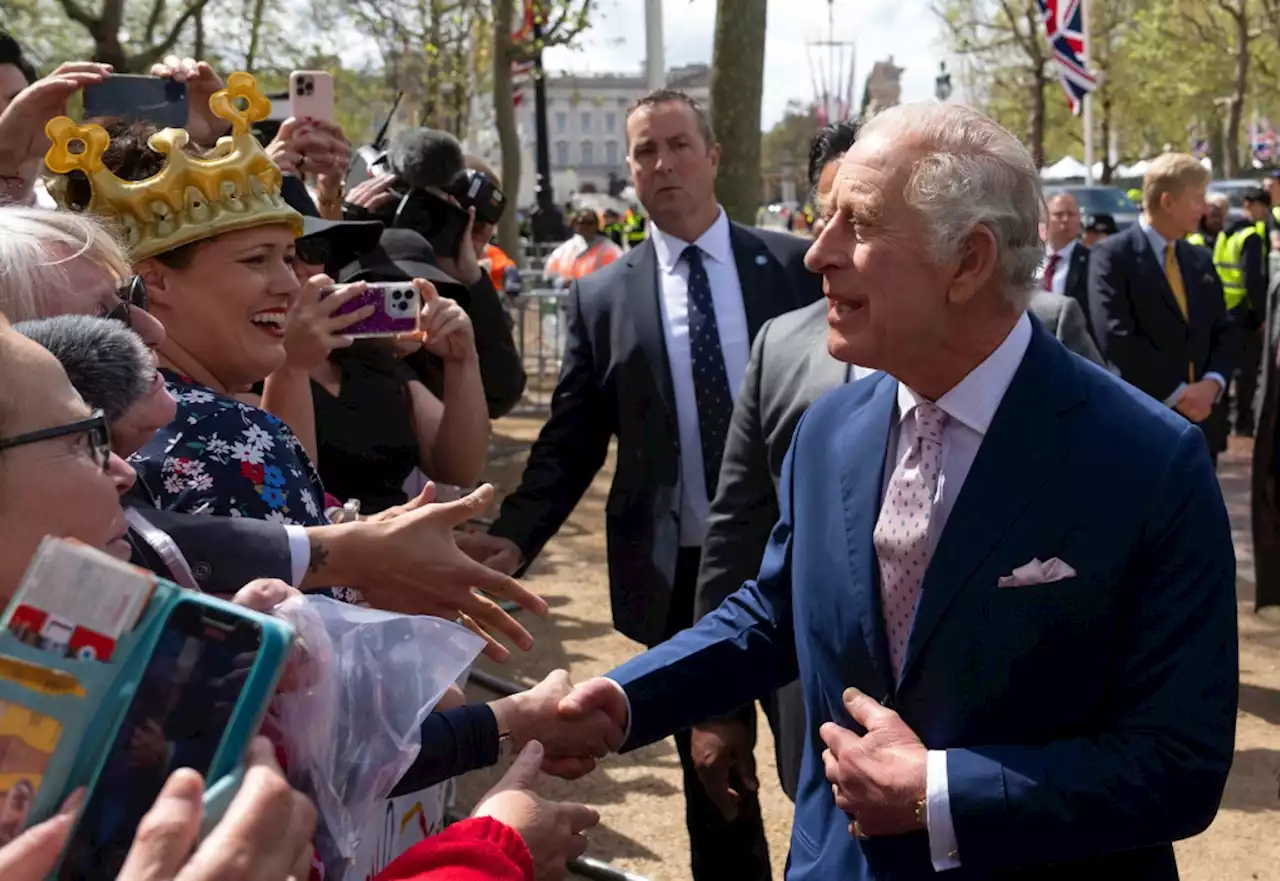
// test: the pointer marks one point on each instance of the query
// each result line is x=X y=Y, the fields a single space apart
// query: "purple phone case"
x=396 y=308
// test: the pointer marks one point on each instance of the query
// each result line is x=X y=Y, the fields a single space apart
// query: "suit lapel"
x=863 y=441
x=758 y=272
x=1021 y=450
x=1079 y=257
x=642 y=293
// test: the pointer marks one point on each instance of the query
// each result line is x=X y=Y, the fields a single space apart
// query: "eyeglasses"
x=95 y=426
x=132 y=295
x=314 y=250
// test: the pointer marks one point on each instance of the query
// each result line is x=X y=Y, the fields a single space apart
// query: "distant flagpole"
x=1088 y=98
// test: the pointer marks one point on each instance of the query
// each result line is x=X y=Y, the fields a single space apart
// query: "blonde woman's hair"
x=1172 y=173
x=37 y=245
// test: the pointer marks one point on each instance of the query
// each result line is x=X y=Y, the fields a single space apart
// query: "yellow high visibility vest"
x=1228 y=257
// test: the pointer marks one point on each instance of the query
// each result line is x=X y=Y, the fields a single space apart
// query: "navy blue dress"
x=223 y=457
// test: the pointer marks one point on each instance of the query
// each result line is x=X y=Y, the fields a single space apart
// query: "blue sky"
x=905 y=29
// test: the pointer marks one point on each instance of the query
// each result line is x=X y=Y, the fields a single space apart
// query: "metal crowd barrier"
x=539 y=317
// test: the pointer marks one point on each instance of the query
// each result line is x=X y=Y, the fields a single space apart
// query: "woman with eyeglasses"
x=58 y=475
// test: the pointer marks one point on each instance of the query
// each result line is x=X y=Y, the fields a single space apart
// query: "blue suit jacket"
x=1088 y=722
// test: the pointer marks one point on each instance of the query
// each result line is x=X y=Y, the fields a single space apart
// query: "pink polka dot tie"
x=902 y=532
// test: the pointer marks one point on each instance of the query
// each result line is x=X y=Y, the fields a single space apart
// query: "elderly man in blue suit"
x=1004 y=577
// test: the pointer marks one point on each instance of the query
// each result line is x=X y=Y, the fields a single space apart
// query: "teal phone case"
x=90 y=723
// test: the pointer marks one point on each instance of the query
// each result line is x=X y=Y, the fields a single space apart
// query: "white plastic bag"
x=349 y=721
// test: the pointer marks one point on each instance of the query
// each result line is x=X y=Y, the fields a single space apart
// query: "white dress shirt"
x=1158 y=243
x=970 y=405
x=735 y=342
x=1060 y=269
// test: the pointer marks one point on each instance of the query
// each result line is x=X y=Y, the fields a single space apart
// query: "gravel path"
x=639 y=794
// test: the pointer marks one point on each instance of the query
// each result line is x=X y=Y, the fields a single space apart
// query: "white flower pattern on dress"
x=226 y=458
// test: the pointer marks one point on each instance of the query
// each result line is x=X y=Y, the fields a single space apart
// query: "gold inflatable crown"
x=233 y=186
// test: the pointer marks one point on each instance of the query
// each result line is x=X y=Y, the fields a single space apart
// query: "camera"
x=475 y=189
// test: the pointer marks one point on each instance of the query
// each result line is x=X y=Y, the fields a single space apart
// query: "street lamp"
x=942 y=84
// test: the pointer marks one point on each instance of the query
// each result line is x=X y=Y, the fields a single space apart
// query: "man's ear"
x=976 y=266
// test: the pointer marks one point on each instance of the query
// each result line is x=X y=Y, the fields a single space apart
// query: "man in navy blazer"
x=1178 y=345
x=1004 y=577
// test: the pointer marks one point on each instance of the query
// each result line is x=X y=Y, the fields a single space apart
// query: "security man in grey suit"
x=789 y=369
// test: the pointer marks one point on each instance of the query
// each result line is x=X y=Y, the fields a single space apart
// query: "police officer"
x=613 y=229
x=634 y=228
x=1241 y=259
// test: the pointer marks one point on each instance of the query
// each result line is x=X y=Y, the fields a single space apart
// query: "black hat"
x=401 y=255
x=335 y=243
x=1256 y=195
x=1100 y=223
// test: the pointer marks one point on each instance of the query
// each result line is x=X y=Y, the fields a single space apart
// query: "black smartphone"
x=439 y=221
x=138 y=98
x=177 y=719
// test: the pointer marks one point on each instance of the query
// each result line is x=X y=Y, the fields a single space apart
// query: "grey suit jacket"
x=789 y=369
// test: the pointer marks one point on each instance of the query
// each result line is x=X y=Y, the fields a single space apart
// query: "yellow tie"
x=1174 y=275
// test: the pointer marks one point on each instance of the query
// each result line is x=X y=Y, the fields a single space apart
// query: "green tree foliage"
x=784 y=150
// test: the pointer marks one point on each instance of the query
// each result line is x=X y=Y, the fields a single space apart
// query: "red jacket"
x=479 y=849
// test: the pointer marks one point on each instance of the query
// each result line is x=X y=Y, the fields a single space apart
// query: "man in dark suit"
x=952 y=530
x=1156 y=302
x=656 y=346
x=1066 y=267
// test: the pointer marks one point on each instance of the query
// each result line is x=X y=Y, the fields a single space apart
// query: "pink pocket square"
x=1037 y=572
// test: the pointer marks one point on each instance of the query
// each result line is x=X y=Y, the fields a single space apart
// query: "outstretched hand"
x=411 y=563
x=553 y=831
x=589 y=703
x=571 y=745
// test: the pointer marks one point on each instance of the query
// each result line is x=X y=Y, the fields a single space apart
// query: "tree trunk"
x=1035 y=123
x=1107 y=168
x=504 y=117
x=200 y=41
x=255 y=36
x=1235 y=112
x=737 y=84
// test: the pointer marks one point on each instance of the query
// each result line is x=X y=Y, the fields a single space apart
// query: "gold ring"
x=857 y=829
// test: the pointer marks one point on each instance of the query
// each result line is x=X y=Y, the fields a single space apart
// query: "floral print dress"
x=223 y=457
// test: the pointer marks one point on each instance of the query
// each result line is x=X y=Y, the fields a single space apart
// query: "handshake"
x=576 y=725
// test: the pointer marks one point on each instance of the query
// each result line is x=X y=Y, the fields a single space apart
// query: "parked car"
x=1100 y=199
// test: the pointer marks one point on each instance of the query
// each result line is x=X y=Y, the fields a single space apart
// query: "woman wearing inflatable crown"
x=212 y=240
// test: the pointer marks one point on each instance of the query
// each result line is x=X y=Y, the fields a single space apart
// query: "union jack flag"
x=1064 y=28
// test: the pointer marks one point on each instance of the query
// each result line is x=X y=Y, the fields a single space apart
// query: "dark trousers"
x=719 y=849
x=1247 y=378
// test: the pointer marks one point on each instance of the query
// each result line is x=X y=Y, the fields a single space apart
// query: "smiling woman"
x=212 y=243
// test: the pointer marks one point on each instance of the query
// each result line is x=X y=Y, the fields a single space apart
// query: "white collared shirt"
x=1060 y=269
x=970 y=406
x=735 y=343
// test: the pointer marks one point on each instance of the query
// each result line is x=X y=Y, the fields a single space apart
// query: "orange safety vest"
x=599 y=255
x=499 y=266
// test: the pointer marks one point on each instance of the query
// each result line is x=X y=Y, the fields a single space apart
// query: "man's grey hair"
x=37 y=245
x=108 y=363
x=974 y=172
x=1219 y=201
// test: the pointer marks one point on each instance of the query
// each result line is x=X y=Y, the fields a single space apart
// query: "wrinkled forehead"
x=873 y=175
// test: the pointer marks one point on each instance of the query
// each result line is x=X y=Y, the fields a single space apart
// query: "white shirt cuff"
x=626 y=734
x=1172 y=400
x=299 y=553
x=1222 y=383
x=943 y=850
